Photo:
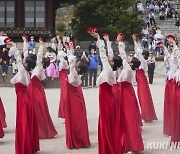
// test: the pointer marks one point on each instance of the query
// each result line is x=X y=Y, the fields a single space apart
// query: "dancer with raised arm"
x=130 y=123
x=108 y=128
x=144 y=94
x=77 y=134
x=38 y=97
x=63 y=74
x=26 y=135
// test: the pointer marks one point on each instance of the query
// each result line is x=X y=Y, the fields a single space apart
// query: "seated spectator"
x=52 y=71
x=144 y=42
x=151 y=7
x=146 y=22
x=140 y=8
x=158 y=30
x=177 y=23
x=156 y=8
x=162 y=15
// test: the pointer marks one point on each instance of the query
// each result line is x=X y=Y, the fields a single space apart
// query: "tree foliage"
x=111 y=16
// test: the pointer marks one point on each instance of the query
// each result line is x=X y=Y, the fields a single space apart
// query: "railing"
x=13 y=32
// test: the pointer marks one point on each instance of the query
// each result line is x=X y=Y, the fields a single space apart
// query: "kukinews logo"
x=163 y=145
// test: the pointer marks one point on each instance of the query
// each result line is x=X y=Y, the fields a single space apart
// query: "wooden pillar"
x=19 y=13
x=50 y=15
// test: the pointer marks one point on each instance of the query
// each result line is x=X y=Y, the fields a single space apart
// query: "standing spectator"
x=32 y=46
x=4 y=61
x=92 y=46
x=82 y=55
x=93 y=67
x=71 y=36
x=152 y=18
x=52 y=71
x=3 y=36
x=151 y=67
x=66 y=38
x=54 y=43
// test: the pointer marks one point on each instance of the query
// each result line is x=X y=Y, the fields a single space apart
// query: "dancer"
x=2 y=115
x=44 y=121
x=168 y=96
x=144 y=95
x=26 y=135
x=1 y=131
x=63 y=73
x=130 y=123
x=175 y=108
x=108 y=127
x=77 y=135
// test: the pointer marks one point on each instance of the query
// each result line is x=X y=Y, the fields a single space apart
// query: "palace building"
x=31 y=17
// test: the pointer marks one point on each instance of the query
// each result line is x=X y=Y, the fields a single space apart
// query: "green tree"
x=111 y=16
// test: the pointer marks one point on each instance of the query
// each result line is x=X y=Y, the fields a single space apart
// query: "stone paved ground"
x=152 y=132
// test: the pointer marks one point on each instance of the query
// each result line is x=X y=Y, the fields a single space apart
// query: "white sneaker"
x=4 y=74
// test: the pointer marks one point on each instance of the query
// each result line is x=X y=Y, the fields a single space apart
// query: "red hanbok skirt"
x=168 y=101
x=175 y=135
x=77 y=134
x=109 y=129
x=1 y=131
x=2 y=115
x=132 y=140
x=38 y=98
x=145 y=99
x=63 y=74
x=26 y=137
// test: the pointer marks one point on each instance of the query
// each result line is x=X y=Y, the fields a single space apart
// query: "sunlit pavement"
x=155 y=142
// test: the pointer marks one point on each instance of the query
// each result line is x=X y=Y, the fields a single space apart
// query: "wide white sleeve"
x=140 y=57
x=25 y=49
x=107 y=74
x=73 y=77
x=122 y=53
x=109 y=49
x=22 y=76
x=103 y=56
x=63 y=63
x=40 y=55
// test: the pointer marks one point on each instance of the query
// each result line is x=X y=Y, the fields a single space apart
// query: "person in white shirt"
x=152 y=18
